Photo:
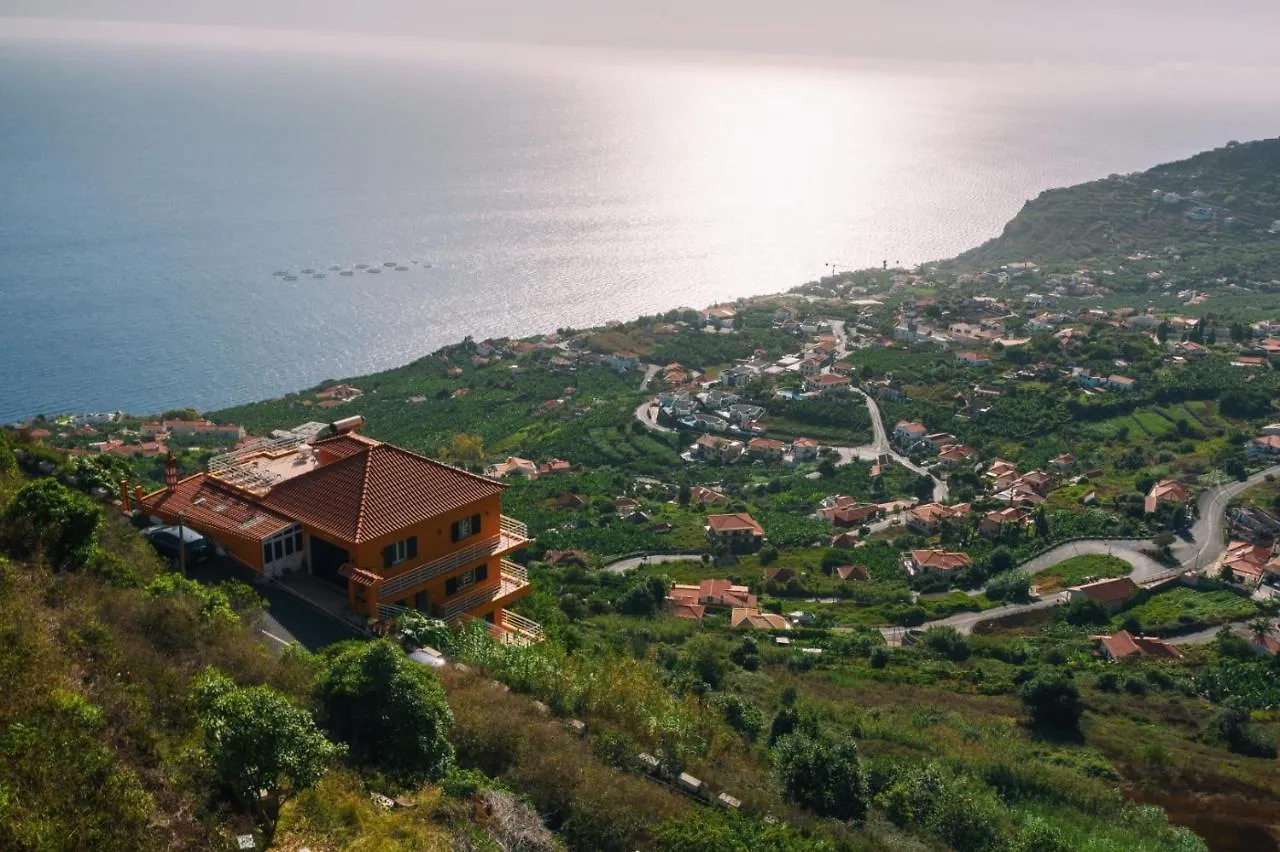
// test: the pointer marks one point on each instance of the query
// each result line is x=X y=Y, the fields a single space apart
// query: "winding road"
x=647 y=415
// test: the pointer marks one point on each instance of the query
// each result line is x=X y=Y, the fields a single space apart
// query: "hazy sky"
x=1111 y=31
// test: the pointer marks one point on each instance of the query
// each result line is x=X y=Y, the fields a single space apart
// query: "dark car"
x=165 y=541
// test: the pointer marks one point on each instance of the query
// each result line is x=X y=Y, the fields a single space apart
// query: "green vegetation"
x=1081 y=569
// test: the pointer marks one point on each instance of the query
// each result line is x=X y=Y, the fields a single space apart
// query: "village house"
x=754 y=619
x=996 y=523
x=1111 y=595
x=1121 y=383
x=853 y=572
x=907 y=432
x=1122 y=645
x=927 y=519
x=1165 y=491
x=804 y=449
x=513 y=465
x=554 y=467
x=1263 y=448
x=953 y=455
x=739 y=531
x=766 y=448
x=714 y=447
x=385 y=525
x=827 y=384
x=712 y=593
x=972 y=359
x=700 y=495
x=1246 y=564
x=926 y=562
x=812 y=366
x=622 y=361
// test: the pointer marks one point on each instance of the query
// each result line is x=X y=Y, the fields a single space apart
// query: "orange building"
x=390 y=527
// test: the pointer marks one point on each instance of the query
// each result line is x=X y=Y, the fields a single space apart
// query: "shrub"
x=826 y=778
x=256 y=740
x=946 y=641
x=1011 y=586
x=1052 y=700
x=879 y=657
x=48 y=518
x=418 y=630
x=390 y=711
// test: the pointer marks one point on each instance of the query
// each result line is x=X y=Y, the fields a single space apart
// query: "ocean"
x=149 y=191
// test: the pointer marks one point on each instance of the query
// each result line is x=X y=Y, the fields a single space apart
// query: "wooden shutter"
x=413 y=546
x=482 y=572
x=451 y=587
x=388 y=555
x=475 y=524
x=454 y=528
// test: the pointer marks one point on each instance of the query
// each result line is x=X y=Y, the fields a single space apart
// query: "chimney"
x=124 y=497
x=170 y=473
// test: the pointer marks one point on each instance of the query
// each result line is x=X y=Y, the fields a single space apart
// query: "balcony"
x=512 y=535
x=515 y=629
x=514 y=582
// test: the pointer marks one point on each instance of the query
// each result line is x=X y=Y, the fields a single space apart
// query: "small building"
x=739 y=531
x=924 y=562
x=1263 y=448
x=1163 y=492
x=927 y=519
x=804 y=449
x=700 y=495
x=827 y=384
x=907 y=432
x=751 y=618
x=1112 y=594
x=770 y=449
x=996 y=523
x=712 y=593
x=1122 y=645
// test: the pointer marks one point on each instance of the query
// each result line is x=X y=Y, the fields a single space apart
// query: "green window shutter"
x=454 y=528
x=475 y=524
x=451 y=587
x=482 y=572
x=388 y=555
x=413 y=546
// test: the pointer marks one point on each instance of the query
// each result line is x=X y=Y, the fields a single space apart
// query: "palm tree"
x=1260 y=628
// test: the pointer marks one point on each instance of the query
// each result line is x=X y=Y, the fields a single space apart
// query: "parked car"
x=165 y=540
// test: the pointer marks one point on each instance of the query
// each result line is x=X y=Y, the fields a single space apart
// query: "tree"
x=1000 y=560
x=464 y=448
x=923 y=487
x=389 y=710
x=8 y=462
x=1011 y=586
x=47 y=517
x=685 y=494
x=258 y=741
x=826 y=778
x=1052 y=700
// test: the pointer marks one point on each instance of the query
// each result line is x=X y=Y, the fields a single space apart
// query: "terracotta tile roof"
x=1108 y=591
x=342 y=446
x=681 y=609
x=856 y=572
x=745 y=616
x=376 y=492
x=734 y=523
x=941 y=560
x=210 y=506
x=1124 y=644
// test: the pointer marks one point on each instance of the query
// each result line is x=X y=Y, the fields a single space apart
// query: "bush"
x=946 y=641
x=1012 y=586
x=879 y=657
x=256 y=740
x=1052 y=700
x=47 y=518
x=390 y=711
x=418 y=630
x=826 y=778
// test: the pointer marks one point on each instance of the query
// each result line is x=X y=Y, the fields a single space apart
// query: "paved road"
x=622 y=566
x=647 y=414
x=650 y=370
x=1130 y=550
x=1198 y=547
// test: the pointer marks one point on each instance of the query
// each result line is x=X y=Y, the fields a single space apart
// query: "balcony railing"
x=513 y=579
x=512 y=536
x=514 y=630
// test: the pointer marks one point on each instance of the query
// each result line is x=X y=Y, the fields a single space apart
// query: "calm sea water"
x=148 y=193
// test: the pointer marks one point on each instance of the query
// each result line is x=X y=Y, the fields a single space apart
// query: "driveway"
x=622 y=566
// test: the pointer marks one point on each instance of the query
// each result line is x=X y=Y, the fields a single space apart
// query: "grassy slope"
x=1113 y=217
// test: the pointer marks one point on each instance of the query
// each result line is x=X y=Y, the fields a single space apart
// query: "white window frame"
x=399 y=551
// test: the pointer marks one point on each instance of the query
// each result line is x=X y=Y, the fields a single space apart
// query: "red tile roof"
x=941 y=560
x=377 y=491
x=209 y=505
x=734 y=523
x=1124 y=644
x=857 y=572
x=1108 y=591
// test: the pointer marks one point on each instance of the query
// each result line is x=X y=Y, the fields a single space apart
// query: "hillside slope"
x=1213 y=210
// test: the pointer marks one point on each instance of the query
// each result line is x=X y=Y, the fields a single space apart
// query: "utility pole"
x=182 y=543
